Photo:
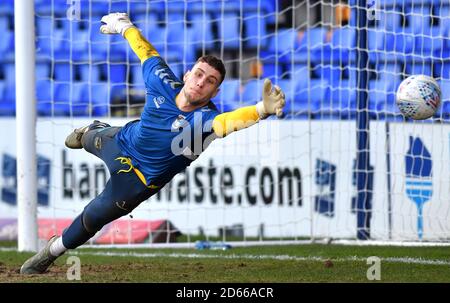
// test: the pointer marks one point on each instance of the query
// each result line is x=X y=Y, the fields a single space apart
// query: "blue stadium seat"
x=297 y=71
x=7 y=46
x=100 y=99
x=445 y=90
x=181 y=40
x=9 y=71
x=137 y=85
x=388 y=110
x=159 y=40
x=392 y=73
x=2 y=89
x=376 y=44
x=430 y=44
x=4 y=23
x=444 y=110
x=44 y=97
x=284 y=41
x=7 y=105
x=211 y=6
x=419 y=20
x=341 y=48
x=255 y=31
x=174 y=18
x=70 y=100
x=119 y=48
x=342 y=102
x=51 y=47
x=282 y=47
x=443 y=12
x=442 y=69
x=116 y=73
x=101 y=45
x=331 y=73
x=147 y=23
x=390 y=20
x=398 y=46
x=79 y=46
x=310 y=95
x=42 y=70
x=385 y=3
x=252 y=92
x=228 y=30
x=88 y=72
x=136 y=75
x=63 y=72
x=312 y=40
x=419 y=67
x=7 y=6
x=227 y=98
x=272 y=71
x=203 y=37
x=380 y=93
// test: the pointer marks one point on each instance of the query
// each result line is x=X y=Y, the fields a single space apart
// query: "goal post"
x=25 y=125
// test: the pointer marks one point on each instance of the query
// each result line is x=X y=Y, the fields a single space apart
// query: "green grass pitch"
x=279 y=263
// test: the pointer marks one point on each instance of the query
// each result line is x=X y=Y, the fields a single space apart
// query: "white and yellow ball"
x=418 y=97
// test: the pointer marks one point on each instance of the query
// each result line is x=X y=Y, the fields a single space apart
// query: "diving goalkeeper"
x=176 y=125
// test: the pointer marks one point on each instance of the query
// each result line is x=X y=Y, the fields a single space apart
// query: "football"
x=418 y=97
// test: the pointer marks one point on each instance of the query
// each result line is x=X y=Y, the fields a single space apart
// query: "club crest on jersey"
x=158 y=101
x=180 y=121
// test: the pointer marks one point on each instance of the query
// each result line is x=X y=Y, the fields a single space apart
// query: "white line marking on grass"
x=407 y=260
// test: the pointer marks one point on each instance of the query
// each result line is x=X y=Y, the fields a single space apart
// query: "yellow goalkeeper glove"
x=273 y=101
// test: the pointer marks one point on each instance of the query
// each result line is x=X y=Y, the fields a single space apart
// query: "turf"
x=290 y=263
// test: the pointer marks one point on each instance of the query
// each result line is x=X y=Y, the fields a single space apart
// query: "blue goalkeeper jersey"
x=165 y=140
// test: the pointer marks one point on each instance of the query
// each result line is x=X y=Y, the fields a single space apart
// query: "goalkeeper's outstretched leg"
x=123 y=192
x=141 y=156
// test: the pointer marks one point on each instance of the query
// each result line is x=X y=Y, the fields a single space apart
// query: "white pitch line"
x=406 y=260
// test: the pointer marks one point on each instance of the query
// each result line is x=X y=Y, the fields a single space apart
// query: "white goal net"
x=343 y=163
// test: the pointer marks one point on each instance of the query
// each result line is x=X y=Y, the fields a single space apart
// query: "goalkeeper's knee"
x=98 y=125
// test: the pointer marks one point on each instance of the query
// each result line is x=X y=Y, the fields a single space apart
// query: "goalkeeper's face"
x=201 y=84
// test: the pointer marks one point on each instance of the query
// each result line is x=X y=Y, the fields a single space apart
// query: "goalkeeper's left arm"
x=272 y=103
x=119 y=23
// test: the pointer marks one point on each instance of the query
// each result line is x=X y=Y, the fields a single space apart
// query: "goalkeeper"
x=177 y=123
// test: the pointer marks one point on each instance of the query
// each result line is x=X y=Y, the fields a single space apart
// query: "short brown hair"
x=216 y=63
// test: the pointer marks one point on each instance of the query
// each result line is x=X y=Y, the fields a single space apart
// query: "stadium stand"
x=411 y=37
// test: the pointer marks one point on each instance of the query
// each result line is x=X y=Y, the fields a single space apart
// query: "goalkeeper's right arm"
x=141 y=47
x=119 y=23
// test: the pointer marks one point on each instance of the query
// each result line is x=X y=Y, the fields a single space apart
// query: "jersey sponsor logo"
x=165 y=77
x=159 y=101
x=180 y=121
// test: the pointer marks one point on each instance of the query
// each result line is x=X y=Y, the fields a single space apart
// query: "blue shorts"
x=124 y=191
